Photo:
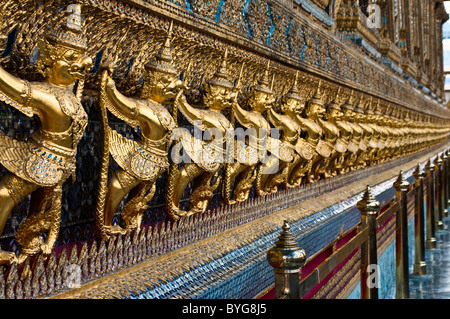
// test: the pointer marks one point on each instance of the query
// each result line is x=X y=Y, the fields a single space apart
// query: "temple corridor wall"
x=353 y=94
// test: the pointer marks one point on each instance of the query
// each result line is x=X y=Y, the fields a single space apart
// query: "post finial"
x=418 y=172
x=437 y=161
x=429 y=166
x=368 y=204
x=401 y=183
x=286 y=227
x=286 y=255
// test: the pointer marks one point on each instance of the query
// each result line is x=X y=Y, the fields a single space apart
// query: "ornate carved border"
x=217 y=35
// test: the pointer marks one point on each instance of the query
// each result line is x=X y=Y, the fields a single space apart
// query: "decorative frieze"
x=231 y=65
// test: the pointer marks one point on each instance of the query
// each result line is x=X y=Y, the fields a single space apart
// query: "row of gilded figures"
x=317 y=140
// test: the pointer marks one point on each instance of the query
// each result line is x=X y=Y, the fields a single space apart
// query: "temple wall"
x=220 y=252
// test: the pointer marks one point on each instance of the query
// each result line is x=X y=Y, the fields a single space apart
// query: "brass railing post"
x=369 y=208
x=401 y=239
x=420 y=266
x=431 y=223
x=444 y=186
x=287 y=259
x=437 y=194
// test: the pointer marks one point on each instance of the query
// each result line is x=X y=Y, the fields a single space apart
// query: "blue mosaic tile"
x=386 y=263
x=411 y=244
x=244 y=273
x=356 y=293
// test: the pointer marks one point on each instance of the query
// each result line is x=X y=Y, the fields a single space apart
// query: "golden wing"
x=13 y=156
x=121 y=149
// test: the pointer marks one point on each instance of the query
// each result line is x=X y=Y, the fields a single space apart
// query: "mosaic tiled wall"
x=268 y=27
x=247 y=271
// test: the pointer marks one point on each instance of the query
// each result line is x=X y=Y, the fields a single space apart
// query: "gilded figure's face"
x=71 y=65
x=261 y=101
x=359 y=116
x=333 y=114
x=373 y=118
x=384 y=119
x=315 y=110
x=218 y=97
x=160 y=86
x=349 y=114
x=292 y=105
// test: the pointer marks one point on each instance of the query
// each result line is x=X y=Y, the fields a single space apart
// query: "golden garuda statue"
x=368 y=143
x=300 y=168
x=385 y=124
x=416 y=129
x=248 y=148
x=402 y=133
x=353 y=147
x=41 y=165
x=342 y=133
x=140 y=162
x=390 y=122
x=324 y=135
x=383 y=148
x=289 y=122
x=405 y=125
x=274 y=169
x=206 y=156
x=377 y=144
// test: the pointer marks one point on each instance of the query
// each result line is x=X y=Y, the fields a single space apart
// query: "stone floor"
x=435 y=285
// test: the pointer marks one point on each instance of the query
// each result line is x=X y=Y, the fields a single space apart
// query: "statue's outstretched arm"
x=300 y=121
x=121 y=106
x=16 y=93
x=276 y=119
x=191 y=113
x=241 y=115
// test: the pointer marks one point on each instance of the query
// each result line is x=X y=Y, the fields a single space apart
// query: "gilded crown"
x=294 y=92
x=163 y=62
x=318 y=96
x=263 y=83
x=378 y=110
x=220 y=78
x=71 y=33
x=359 y=108
x=335 y=104
x=348 y=105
